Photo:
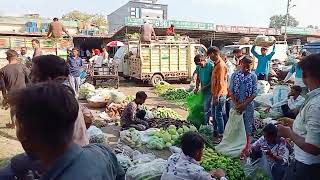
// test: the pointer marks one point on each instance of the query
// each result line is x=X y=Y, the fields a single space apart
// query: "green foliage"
x=277 y=21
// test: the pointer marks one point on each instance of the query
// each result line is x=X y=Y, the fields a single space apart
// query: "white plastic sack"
x=263 y=87
x=234 y=137
x=117 y=97
x=151 y=170
x=264 y=100
x=93 y=131
x=280 y=93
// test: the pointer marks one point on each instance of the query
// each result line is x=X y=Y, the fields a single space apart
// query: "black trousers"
x=298 y=171
x=287 y=112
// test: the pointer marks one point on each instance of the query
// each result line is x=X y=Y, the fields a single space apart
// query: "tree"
x=95 y=19
x=277 y=21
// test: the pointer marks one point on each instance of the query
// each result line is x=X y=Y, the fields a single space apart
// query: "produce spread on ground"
x=166 y=128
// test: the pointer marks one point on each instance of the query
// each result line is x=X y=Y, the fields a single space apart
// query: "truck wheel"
x=156 y=78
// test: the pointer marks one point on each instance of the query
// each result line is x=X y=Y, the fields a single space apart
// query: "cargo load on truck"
x=167 y=58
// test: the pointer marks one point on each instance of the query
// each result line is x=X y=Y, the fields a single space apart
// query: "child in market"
x=183 y=163
x=243 y=89
x=131 y=116
x=275 y=148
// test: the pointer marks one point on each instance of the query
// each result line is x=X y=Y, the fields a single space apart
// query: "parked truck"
x=160 y=60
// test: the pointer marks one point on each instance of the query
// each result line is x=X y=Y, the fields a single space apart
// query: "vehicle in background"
x=161 y=60
x=280 y=53
x=312 y=47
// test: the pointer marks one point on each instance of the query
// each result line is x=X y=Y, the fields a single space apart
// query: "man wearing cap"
x=263 y=67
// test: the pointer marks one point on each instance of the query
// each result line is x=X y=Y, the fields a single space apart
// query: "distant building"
x=139 y=9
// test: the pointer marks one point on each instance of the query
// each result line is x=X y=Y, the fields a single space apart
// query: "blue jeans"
x=207 y=105
x=218 y=111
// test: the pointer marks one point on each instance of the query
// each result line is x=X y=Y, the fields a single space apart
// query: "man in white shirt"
x=291 y=106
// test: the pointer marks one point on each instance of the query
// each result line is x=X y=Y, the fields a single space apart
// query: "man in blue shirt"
x=75 y=64
x=263 y=67
x=46 y=114
x=204 y=70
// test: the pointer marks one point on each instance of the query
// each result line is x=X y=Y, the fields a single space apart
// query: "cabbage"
x=185 y=129
x=166 y=137
x=172 y=131
x=193 y=128
x=180 y=131
x=168 y=144
x=85 y=89
x=117 y=97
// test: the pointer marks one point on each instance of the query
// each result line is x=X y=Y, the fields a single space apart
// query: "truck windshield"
x=228 y=50
x=120 y=52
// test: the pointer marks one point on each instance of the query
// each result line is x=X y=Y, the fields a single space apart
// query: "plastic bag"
x=258 y=170
x=151 y=171
x=263 y=87
x=139 y=158
x=124 y=161
x=234 y=137
x=264 y=100
x=195 y=105
x=280 y=93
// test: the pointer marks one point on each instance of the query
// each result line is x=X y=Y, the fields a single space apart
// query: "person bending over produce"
x=184 y=164
x=203 y=71
x=243 y=89
x=291 y=106
x=131 y=116
x=276 y=149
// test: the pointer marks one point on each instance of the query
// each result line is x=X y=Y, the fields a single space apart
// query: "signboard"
x=247 y=30
x=161 y=23
x=301 y=31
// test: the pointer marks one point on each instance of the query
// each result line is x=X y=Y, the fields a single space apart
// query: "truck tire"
x=156 y=78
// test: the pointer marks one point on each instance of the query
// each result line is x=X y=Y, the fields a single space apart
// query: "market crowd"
x=51 y=124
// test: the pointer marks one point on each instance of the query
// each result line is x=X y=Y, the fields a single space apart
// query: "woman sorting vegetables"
x=131 y=116
x=183 y=165
x=243 y=89
x=304 y=131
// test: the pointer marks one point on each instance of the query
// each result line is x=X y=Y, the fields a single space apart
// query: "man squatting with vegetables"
x=131 y=116
x=276 y=150
x=219 y=90
x=46 y=115
x=243 y=89
x=203 y=72
x=184 y=163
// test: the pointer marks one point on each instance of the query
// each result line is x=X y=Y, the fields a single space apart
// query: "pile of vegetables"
x=131 y=137
x=212 y=160
x=161 y=138
x=147 y=171
x=162 y=87
x=85 y=89
x=166 y=113
x=166 y=122
x=175 y=94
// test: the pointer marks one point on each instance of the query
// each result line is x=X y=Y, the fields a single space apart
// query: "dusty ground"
x=9 y=146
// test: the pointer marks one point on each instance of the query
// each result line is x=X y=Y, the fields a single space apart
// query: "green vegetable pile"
x=166 y=138
x=212 y=160
x=166 y=113
x=175 y=94
x=163 y=87
x=131 y=137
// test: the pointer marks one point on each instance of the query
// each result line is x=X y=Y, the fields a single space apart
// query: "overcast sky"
x=227 y=12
